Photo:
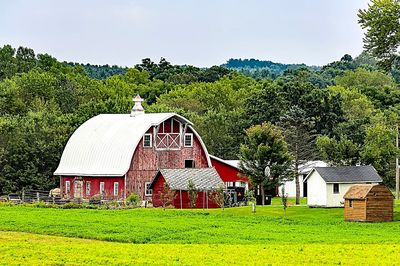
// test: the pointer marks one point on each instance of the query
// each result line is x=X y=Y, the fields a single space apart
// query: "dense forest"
x=345 y=112
x=348 y=107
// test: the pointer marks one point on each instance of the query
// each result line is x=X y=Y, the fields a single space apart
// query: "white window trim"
x=151 y=140
x=145 y=189
x=116 y=186
x=191 y=140
x=104 y=188
x=67 y=187
x=338 y=190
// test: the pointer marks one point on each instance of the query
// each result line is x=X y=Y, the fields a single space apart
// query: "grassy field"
x=151 y=236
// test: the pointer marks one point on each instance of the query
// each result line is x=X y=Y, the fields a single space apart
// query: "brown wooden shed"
x=368 y=203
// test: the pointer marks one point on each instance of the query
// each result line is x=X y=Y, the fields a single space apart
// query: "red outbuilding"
x=114 y=155
x=205 y=181
x=235 y=182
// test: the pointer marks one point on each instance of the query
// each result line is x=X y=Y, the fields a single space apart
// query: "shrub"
x=218 y=196
x=167 y=196
x=96 y=199
x=133 y=200
x=71 y=205
x=192 y=191
x=39 y=204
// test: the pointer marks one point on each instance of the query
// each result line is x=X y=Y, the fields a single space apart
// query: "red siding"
x=95 y=186
x=226 y=172
x=144 y=165
x=147 y=161
x=202 y=200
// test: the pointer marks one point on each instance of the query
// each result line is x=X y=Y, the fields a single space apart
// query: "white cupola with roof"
x=137 y=108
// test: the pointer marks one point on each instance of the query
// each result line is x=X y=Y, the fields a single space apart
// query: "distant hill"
x=100 y=71
x=262 y=69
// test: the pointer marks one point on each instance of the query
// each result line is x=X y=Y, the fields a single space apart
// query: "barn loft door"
x=168 y=135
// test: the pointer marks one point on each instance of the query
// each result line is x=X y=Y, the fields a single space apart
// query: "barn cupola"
x=137 y=108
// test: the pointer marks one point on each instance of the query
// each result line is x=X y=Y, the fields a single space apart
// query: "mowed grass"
x=30 y=249
x=230 y=226
x=40 y=236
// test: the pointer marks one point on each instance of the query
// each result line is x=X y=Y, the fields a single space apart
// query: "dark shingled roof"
x=348 y=174
x=203 y=178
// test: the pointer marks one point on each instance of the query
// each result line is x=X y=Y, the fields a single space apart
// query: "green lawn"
x=30 y=249
x=305 y=236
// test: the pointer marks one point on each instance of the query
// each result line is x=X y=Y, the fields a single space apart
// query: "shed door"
x=78 y=189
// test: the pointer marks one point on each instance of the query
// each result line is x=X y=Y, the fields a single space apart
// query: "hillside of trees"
x=349 y=108
x=262 y=68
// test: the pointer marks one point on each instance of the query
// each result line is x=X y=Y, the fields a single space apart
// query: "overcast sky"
x=201 y=32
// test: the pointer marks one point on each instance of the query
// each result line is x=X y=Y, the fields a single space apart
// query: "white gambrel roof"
x=104 y=145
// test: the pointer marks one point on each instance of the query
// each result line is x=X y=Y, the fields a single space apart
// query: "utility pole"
x=397 y=164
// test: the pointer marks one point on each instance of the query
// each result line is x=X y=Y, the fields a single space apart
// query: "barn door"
x=78 y=189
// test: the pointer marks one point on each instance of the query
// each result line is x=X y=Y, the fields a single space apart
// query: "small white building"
x=304 y=170
x=327 y=185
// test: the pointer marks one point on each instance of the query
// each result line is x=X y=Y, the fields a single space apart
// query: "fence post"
x=37 y=196
x=23 y=195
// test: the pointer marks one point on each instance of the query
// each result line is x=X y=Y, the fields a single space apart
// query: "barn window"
x=101 y=187
x=115 y=188
x=189 y=163
x=335 y=188
x=147 y=140
x=351 y=203
x=148 y=191
x=188 y=140
x=67 y=187
x=87 y=188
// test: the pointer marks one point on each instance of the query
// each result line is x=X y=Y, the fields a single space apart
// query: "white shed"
x=327 y=185
x=304 y=169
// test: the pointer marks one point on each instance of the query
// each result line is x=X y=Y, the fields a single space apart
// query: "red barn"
x=205 y=180
x=115 y=155
x=235 y=183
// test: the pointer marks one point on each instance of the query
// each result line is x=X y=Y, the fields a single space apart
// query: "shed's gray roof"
x=348 y=174
x=203 y=178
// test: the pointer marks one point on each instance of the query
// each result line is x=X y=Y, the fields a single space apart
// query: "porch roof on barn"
x=178 y=179
x=347 y=174
x=104 y=145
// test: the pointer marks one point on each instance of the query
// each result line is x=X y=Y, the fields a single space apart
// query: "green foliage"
x=378 y=87
x=169 y=73
x=380 y=151
x=262 y=69
x=342 y=152
x=100 y=72
x=382 y=21
x=42 y=102
x=264 y=146
x=133 y=200
x=298 y=132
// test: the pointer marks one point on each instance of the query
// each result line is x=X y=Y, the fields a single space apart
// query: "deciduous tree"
x=264 y=146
